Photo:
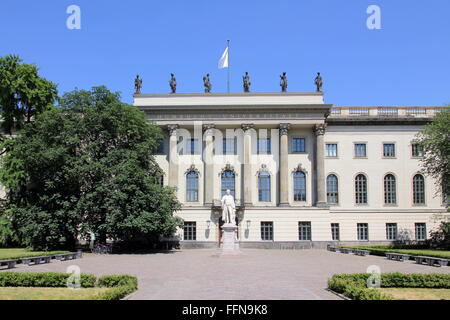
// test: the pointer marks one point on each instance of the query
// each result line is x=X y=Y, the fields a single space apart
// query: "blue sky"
x=407 y=62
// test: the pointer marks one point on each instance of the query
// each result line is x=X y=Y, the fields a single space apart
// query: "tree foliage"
x=440 y=238
x=23 y=93
x=80 y=170
x=435 y=142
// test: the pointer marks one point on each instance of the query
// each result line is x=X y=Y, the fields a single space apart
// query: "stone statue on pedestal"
x=137 y=85
x=228 y=209
x=230 y=243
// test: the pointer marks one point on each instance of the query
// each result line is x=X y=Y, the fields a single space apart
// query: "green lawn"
x=25 y=293
x=414 y=252
x=417 y=293
x=17 y=253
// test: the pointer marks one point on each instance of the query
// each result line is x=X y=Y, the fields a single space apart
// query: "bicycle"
x=102 y=249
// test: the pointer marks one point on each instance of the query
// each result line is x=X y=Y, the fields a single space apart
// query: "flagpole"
x=228 y=71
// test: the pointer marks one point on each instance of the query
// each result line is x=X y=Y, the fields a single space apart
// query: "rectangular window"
x=388 y=150
x=267 y=230
x=304 y=231
x=391 y=231
x=298 y=145
x=331 y=150
x=264 y=146
x=360 y=150
x=363 y=231
x=416 y=150
x=229 y=146
x=193 y=146
x=335 y=236
x=190 y=230
x=421 y=231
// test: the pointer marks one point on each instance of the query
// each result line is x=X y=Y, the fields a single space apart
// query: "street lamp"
x=248 y=224
x=208 y=223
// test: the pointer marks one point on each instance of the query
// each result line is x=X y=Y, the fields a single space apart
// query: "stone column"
x=247 y=176
x=209 y=166
x=173 y=155
x=319 y=130
x=284 y=165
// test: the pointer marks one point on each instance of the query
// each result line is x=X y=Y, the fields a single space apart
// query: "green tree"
x=23 y=93
x=435 y=143
x=440 y=238
x=87 y=167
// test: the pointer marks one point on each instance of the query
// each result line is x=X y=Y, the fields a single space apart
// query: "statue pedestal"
x=229 y=245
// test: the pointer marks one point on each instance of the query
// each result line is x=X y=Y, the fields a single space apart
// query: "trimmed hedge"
x=43 y=279
x=354 y=286
x=381 y=250
x=120 y=285
x=11 y=254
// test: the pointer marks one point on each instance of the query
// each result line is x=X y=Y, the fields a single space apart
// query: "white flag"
x=223 y=62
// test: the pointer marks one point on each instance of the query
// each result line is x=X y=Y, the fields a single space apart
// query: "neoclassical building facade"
x=304 y=173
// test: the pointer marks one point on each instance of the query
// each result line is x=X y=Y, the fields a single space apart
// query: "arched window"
x=390 y=192
x=228 y=182
x=418 y=189
x=192 y=186
x=332 y=189
x=361 y=189
x=299 y=186
x=264 y=186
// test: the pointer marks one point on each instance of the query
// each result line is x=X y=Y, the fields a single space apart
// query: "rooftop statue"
x=246 y=80
x=319 y=82
x=137 y=85
x=207 y=83
x=173 y=83
x=283 y=82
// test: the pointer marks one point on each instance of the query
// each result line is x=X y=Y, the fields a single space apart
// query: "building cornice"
x=256 y=107
x=376 y=120
x=233 y=94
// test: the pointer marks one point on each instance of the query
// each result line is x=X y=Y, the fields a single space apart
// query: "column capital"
x=208 y=128
x=284 y=128
x=247 y=126
x=172 y=128
x=319 y=129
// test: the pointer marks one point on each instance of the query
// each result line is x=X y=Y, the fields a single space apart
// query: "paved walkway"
x=259 y=274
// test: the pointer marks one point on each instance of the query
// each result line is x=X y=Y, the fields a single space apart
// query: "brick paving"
x=258 y=274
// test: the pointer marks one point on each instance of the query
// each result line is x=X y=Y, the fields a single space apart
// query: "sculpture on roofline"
x=207 y=83
x=283 y=82
x=246 y=80
x=137 y=85
x=173 y=83
x=319 y=83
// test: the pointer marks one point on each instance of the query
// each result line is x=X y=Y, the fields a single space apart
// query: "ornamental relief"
x=192 y=168
x=299 y=168
x=263 y=169
x=228 y=167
